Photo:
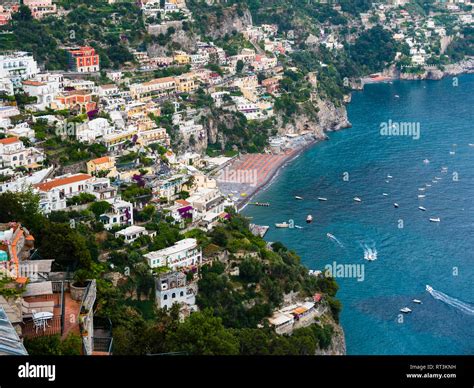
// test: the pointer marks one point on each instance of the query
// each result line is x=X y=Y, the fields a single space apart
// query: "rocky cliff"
x=229 y=20
x=338 y=342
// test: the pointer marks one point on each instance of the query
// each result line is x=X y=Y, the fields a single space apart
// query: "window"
x=181 y=293
x=165 y=297
x=173 y=295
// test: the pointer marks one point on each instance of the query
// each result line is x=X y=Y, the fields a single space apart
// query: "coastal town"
x=123 y=168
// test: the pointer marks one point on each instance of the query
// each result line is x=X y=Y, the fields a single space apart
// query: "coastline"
x=274 y=174
x=463 y=67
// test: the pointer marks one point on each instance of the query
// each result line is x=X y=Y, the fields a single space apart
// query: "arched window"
x=165 y=297
x=173 y=295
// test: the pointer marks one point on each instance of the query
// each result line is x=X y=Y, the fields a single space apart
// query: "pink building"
x=40 y=8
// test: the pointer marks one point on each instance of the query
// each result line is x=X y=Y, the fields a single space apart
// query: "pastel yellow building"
x=181 y=58
x=105 y=163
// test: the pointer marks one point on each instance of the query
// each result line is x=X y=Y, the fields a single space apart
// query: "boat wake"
x=335 y=239
x=453 y=302
x=370 y=252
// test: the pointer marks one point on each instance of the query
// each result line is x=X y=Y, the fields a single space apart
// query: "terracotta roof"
x=46 y=186
x=9 y=140
x=103 y=159
x=182 y=202
x=33 y=83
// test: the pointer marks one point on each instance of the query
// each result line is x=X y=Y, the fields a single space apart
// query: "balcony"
x=102 y=340
x=65 y=313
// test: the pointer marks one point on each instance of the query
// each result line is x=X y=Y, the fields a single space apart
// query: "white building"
x=121 y=214
x=13 y=153
x=18 y=66
x=131 y=233
x=171 y=288
x=183 y=254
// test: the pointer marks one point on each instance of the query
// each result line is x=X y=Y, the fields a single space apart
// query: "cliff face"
x=338 y=342
x=326 y=118
x=232 y=19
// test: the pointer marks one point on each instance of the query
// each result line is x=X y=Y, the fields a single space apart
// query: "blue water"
x=418 y=253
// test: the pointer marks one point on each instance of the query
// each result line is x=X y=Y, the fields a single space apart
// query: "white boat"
x=438 y=178
x=298 y=227
x=471 y=145
x=421 y=189
x=417 y=301
x=389 y=176
x=385 y=194
x=452 y=153
x=422 y=208
x=309 y=219
x=282 y=225
x=428 y=185
x=298 y=197
x=435 y=219
x=396 y=96
x=322 y=199
x=405 y=310
x=395 y=205
x=357 y=199
x=386 y=181
x=429 y=288
x=330 y=236
x=444 y=169
x=426 y=161
x=434 y=181
x=421 y=195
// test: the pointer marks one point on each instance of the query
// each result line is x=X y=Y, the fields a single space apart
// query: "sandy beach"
x=250 y=173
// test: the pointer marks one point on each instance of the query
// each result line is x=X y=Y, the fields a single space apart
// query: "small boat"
x=426 y=161
x=435 y=219
x=389 y=176
x=438 y=178
x=421 y=189
x=444 y=169
x=452 y=153
x=417 y=301
x=298 y=227
x=282 y=225
x=330 y=235
x=405 y=310
x=434 y=181
x=298 y=197
x=395 y=205
x=309 y=219
x=384 y=194
x=357 y=199
x=322 y=199
x=370 y=256
x=471 y=145
x=421 y=196
x=422 y=208
x=429 y=288
x=396 y=96
x=386 y=181
x=428 y=185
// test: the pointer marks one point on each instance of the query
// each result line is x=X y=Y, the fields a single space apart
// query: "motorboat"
x=389 y=176
x=282 y=225
x=444 y=169
x=395 y=205
x=422 y=208
x=421 y=189
x=429 y=288
x=428 y=185
x=405 y=310
x=309 y=219
x=435 y=219
x=438 y=178
x=298 y=197
x=426 y=161
x=385 y=194
x=421 y=196
x=417 y=301
x=330 y=235
x=452 y=153
x=357 y=199
x=322 y=199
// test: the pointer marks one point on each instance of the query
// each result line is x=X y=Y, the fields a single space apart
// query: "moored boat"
x=357 y=199
x=405 y=310
x=435 y=219
x=282 y=225
x=309 y=219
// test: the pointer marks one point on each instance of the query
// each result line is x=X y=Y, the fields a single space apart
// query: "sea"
x=414 y=142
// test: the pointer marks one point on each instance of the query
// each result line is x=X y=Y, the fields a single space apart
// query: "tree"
x=53 y=345
x=240 y=66
x=203 y=334
x=99 y=208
